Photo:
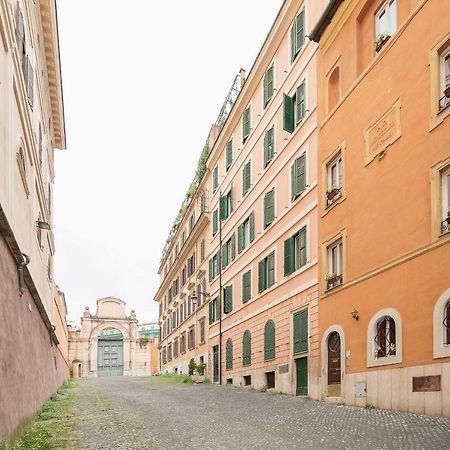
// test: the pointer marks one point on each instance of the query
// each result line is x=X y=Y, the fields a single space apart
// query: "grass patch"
x=182 y=378
x=52 y=425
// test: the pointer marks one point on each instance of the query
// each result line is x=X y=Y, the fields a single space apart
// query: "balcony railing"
x=445 y=226
x=333 y=195
x=333 y=281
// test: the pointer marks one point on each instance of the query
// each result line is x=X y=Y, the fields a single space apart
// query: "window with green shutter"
x=228 y=251
x=246 y=286
x=226 y=205
x=215 y=221
x=298 y=177
x=229 y=355
x=268 y=85
x=300 y=103
x=215 y=178
x=246 y=178
x=288 y=113
x=227 y=299
x=269 y=208
x=269 y=146
x=294 y=108
x=247 y=348
x=214 y=266
x=228 y=154
x=300 y=331
x=295 y=252
x=214 y=310
x=266 y=272
x=246 y=232
x=297 y=34
x=246 y=124
x=269 y=340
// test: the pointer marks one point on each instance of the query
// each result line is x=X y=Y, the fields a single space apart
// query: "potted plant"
x=380 y=40
x=333 y=280
x=332 y=192
x=448 y=216
x=447 y=91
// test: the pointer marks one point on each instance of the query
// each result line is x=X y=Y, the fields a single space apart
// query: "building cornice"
x=49 y=19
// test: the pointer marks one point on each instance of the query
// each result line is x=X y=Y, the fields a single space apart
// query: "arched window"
x=269 y=340
x=247 y=349
x=385 y=339
x=333 y=88
x=229 y=355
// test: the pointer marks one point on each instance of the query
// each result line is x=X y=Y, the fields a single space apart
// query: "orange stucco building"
x=384 y=183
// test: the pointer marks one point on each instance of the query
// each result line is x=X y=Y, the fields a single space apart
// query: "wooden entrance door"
x=110 y=358
x=301 y=365
x=216 y=363
x=334 y=358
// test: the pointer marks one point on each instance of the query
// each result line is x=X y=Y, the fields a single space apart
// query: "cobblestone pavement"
x=139 y=413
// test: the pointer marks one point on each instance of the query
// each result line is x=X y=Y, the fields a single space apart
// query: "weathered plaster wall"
x=31 y=368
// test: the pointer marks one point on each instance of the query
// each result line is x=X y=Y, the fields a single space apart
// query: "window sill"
x=387 y=361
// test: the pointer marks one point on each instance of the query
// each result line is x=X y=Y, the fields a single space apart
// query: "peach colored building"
x=384 y=190
x=32 y=335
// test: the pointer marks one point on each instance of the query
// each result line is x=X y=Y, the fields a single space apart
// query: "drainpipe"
x=20 y=266
x=220 y=295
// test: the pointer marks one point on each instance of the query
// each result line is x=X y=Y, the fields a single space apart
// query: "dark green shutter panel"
x=289 y=256
x=223 y=208
x=229 y=355
x=269 y=207
x=224 y=256
x=266 y=149
x=247 y=349
x=251 y=219
x=246 y=286
x=300 y=32
x=228 y=299
x=288 y=113
x=229 y=154
x=301 y=331
x=233 y=246
x=215 y=223
x=246 y=181
x=215 y=178
x=303 y=247
x=269 y=340
x=271 y=270
x=262 y=282
x=300 y=174
x=293 y=182
x=270 y=83
x=246 y=124
x=271 y=143
x=211 y=268
x=211 y=320
x=300 y=102
x=230 y=195
x=293 y=40
x=265 y=88
x=240 y=238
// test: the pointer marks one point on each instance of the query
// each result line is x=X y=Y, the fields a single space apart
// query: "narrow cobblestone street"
x=140 y=413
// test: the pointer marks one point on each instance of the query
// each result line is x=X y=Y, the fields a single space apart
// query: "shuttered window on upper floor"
x=297 y=34
x=246 y=232
x=228 y=154
x=226 y=205
x=246 y=124
x=215 y=178
x=266 y=272
x=268 y=85
x=228 y=251
x=246 y=178
x=246 y=286
x=295 y=252
x=298 y=177
x=228 y=299
x=269 y=145
x=269 y=208
x=294 y=108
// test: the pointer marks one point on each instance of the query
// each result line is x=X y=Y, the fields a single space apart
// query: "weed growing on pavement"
x=173 y=378
x=369 y=405
x=264 y=388
x=52 y=426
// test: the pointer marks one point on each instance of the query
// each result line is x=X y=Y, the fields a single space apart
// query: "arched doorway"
x=110 y=353
x=334 y=364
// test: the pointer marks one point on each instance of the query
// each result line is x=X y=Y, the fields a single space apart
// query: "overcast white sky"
x=143 y=82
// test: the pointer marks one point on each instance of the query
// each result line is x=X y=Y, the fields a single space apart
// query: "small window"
x=269 y=208
x=214 y=310
x=202 y=330
x=246 y=178
x=227 y=299
x=266 y=272
x=246 y=286
x=444 y=99
x=247 y=348
x=214 y=267
x=334 y=180
x=246 y=232
x=385 y=23
x=228 y=155
x=334 y=264
x=297 y=34
x=215 y=178
x=298 y=177
x=228 y=251
x=294 y=108
x=246 y=124
x=295 y=252
x=269 y=146
x=226 y=205
x=385 y=338
x=229 y=355
x=268 y=85
x=445 y=189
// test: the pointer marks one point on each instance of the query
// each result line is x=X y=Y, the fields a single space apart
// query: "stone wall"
x=31 y=366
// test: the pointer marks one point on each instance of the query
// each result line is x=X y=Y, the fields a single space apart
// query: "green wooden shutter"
x=293 y=40
x=301 y=331
x=211 y=269
x=288 y=113
x=289 y=256
x=246 y=180
x=265 y=89
x=251 y=219
x=223 y=208
x=229 y=154
x=300 y=32
x=269 y=207
x=227 y=299
x=271 y=270
x=247 y=349
x=246 y=286
x=215 y=178
x=246 y=124
x=262 y=279
x=303 y=250
x=233 y=246
x=211 y=317
x=269 y=340
x=271 y=143
x=300 y=174
x=229 y=355
x=240 y=238
x=215 y=221
x=225 y=255
x=266 y=149
x=270 y=82
x=293 y=182
x=300 y=102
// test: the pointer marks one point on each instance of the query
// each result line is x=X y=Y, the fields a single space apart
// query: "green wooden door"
x=216 y=363
x=110 y=358
x=302 y=376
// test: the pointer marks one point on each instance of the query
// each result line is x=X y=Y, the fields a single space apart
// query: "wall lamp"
x=43 y=225
x=194 y=297
x=355 y=314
